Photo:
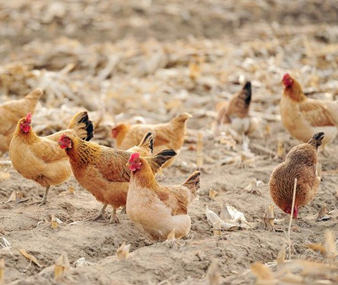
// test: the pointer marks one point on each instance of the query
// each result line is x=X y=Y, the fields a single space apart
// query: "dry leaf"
x=212 y=217
x=12 y=197
x=212 y=193
x=82 y=262
x=322 y=214
x=30 y=257
x=317 y=247
x=71 y=190
x=171 y=236
x=4 y=176
x=262 y=272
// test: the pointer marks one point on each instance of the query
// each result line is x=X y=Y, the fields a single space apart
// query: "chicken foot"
x=44 y=198
x=113 y=217
x=101 y=213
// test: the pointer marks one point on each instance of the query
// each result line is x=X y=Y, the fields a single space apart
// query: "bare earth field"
x=156 y=59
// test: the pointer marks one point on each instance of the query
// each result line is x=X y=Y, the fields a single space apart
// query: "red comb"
x=286 y=76
x=62 y=137
x=134 y=156
x=29 y=117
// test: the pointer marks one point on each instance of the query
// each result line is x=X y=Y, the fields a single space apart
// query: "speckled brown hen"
x=103 y=171
x=235 y=114
x=299 y=163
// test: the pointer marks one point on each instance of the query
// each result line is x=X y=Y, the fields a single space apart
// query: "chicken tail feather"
x=316 y=139
x=35 y=94
x=148 y=142
x=193 y=182
x=83 y=127
x=159 y=159
x=247 y=93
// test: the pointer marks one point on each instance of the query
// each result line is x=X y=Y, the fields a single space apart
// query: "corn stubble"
x=300 y=271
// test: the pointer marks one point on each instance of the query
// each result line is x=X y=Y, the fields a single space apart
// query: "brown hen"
x=299 y=163
x=235 y=114
x=103 y=171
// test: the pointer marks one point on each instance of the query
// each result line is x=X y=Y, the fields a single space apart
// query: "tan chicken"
x=299 y=163
x=103 y=171
x=303 y=116
x=11 y=112
x=167 y=136
x=159 y=209
x=40 y=158
x=235 y=114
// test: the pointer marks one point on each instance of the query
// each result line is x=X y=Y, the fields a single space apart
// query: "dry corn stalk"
x=330 y=245
x=123 y=251
x=62 y=265
x=281 y=255
x=54 y=222
x=217 y=228
x=269 y=218
x=280 y=148
x=291 y=215
x=2 y=271
x=213 y=273
x=199 y=150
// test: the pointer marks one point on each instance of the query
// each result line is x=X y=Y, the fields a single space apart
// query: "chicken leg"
x=44 y=198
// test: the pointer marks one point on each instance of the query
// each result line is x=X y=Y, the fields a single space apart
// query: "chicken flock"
x=125 y=176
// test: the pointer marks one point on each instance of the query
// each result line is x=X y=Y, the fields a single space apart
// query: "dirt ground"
x=151 y=60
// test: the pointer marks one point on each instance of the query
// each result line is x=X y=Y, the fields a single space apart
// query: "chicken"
x=159 y=209
x=146 y=148
x=11 y=112
x=299 y=163
x=235 y=114
x=167 y=136
x=303 y=116
x=40 y=158
x=103 y=171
